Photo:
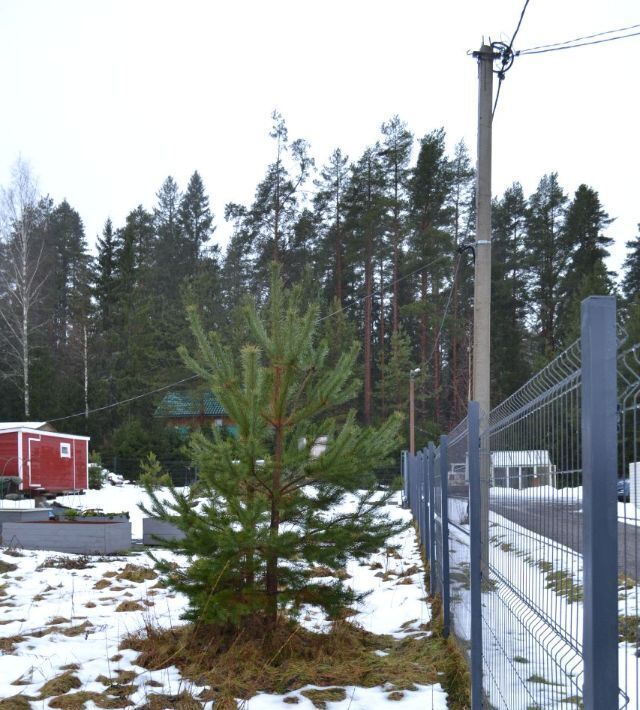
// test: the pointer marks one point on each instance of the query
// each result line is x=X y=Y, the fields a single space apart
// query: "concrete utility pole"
x=412 y=410
x=482 y=284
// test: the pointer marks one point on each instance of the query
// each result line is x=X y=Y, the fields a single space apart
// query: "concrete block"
x=82 y=538
x=152 y=529
x=15 y=515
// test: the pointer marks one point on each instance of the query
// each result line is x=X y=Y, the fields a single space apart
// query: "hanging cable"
x=124 y=401
x=454 y=282
x=527 y=52
x=579 y=39
x=505 y=53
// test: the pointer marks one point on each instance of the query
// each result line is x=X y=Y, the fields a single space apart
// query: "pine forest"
x=382 y=241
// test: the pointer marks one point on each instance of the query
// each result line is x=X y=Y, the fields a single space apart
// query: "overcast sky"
x=105 y=98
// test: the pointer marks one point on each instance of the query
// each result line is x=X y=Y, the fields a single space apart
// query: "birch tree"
x=21 y=275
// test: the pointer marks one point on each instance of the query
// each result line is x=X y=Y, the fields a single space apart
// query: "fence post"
x=444 y=516
x=475 y=532
x=431 y=456
x=423 y=505
x=599 y=476
x=405 y=479
x=412 y=494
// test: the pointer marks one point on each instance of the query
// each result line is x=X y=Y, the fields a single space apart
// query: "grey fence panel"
x=533 y=593
x=628 y=528
x=459 y=547
x=545 y=606
x=444 y=516
x=433 y=560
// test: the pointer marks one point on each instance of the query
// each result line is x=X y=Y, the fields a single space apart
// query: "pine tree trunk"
x=86 y=372
x=338 y=250
x=423 y=318
x=395 y=315
x=436 y=358
x=368 y=288
x=383 y=399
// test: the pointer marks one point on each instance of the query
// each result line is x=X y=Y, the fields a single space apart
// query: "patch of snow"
x=36 y=595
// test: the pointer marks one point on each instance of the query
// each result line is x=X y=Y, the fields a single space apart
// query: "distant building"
x=39 y=459
x=521 y=469
x=512 y=469
x=187 y=411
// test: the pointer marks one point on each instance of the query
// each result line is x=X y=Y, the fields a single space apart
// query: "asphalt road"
x=562 y=522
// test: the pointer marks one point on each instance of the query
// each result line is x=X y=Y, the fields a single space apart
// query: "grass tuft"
x=321 y=696
x=136 y=573
x=15 y=702
x=129 y=605
x=81 y=562
x=59 y=685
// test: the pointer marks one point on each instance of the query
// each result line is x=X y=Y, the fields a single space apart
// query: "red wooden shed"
x=42 y=458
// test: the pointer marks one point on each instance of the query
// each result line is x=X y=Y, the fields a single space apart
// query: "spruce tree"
x=292 y=490
x=430 y=189
x=586 y=273
x=329 y=206
x=509 y=336
x=395 y=152
x=195 y=217
x=631 y=268
x=547 y=258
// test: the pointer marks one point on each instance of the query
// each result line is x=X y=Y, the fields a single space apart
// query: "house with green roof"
x=188 y=410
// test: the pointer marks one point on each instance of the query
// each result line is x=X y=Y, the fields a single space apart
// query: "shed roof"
x=189 y=404
x=23 y=425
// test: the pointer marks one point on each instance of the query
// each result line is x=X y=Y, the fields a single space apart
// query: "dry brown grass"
x=8 y=643
x=81 y=562
x=136 y=573
x=241 y=664
x=60 y=684
x=15 y=702
x=78 y=629
x=129 y=605
x=320 y=698
x=7 y=567
x=183 y=701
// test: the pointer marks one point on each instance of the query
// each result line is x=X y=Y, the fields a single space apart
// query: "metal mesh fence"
x=531 y=469
x=540 y=584
x=628 y=517
x=182 y=472
x=459 y=538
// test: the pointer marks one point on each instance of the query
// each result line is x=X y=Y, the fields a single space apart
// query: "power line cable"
x=507 y=55
x=579 y=39
x=124 y=401
x=445 y=312
x=525 y=53
x=515 y=34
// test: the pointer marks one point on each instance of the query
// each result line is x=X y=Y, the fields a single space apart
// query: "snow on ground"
x=565 y=495
x=56 y=616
